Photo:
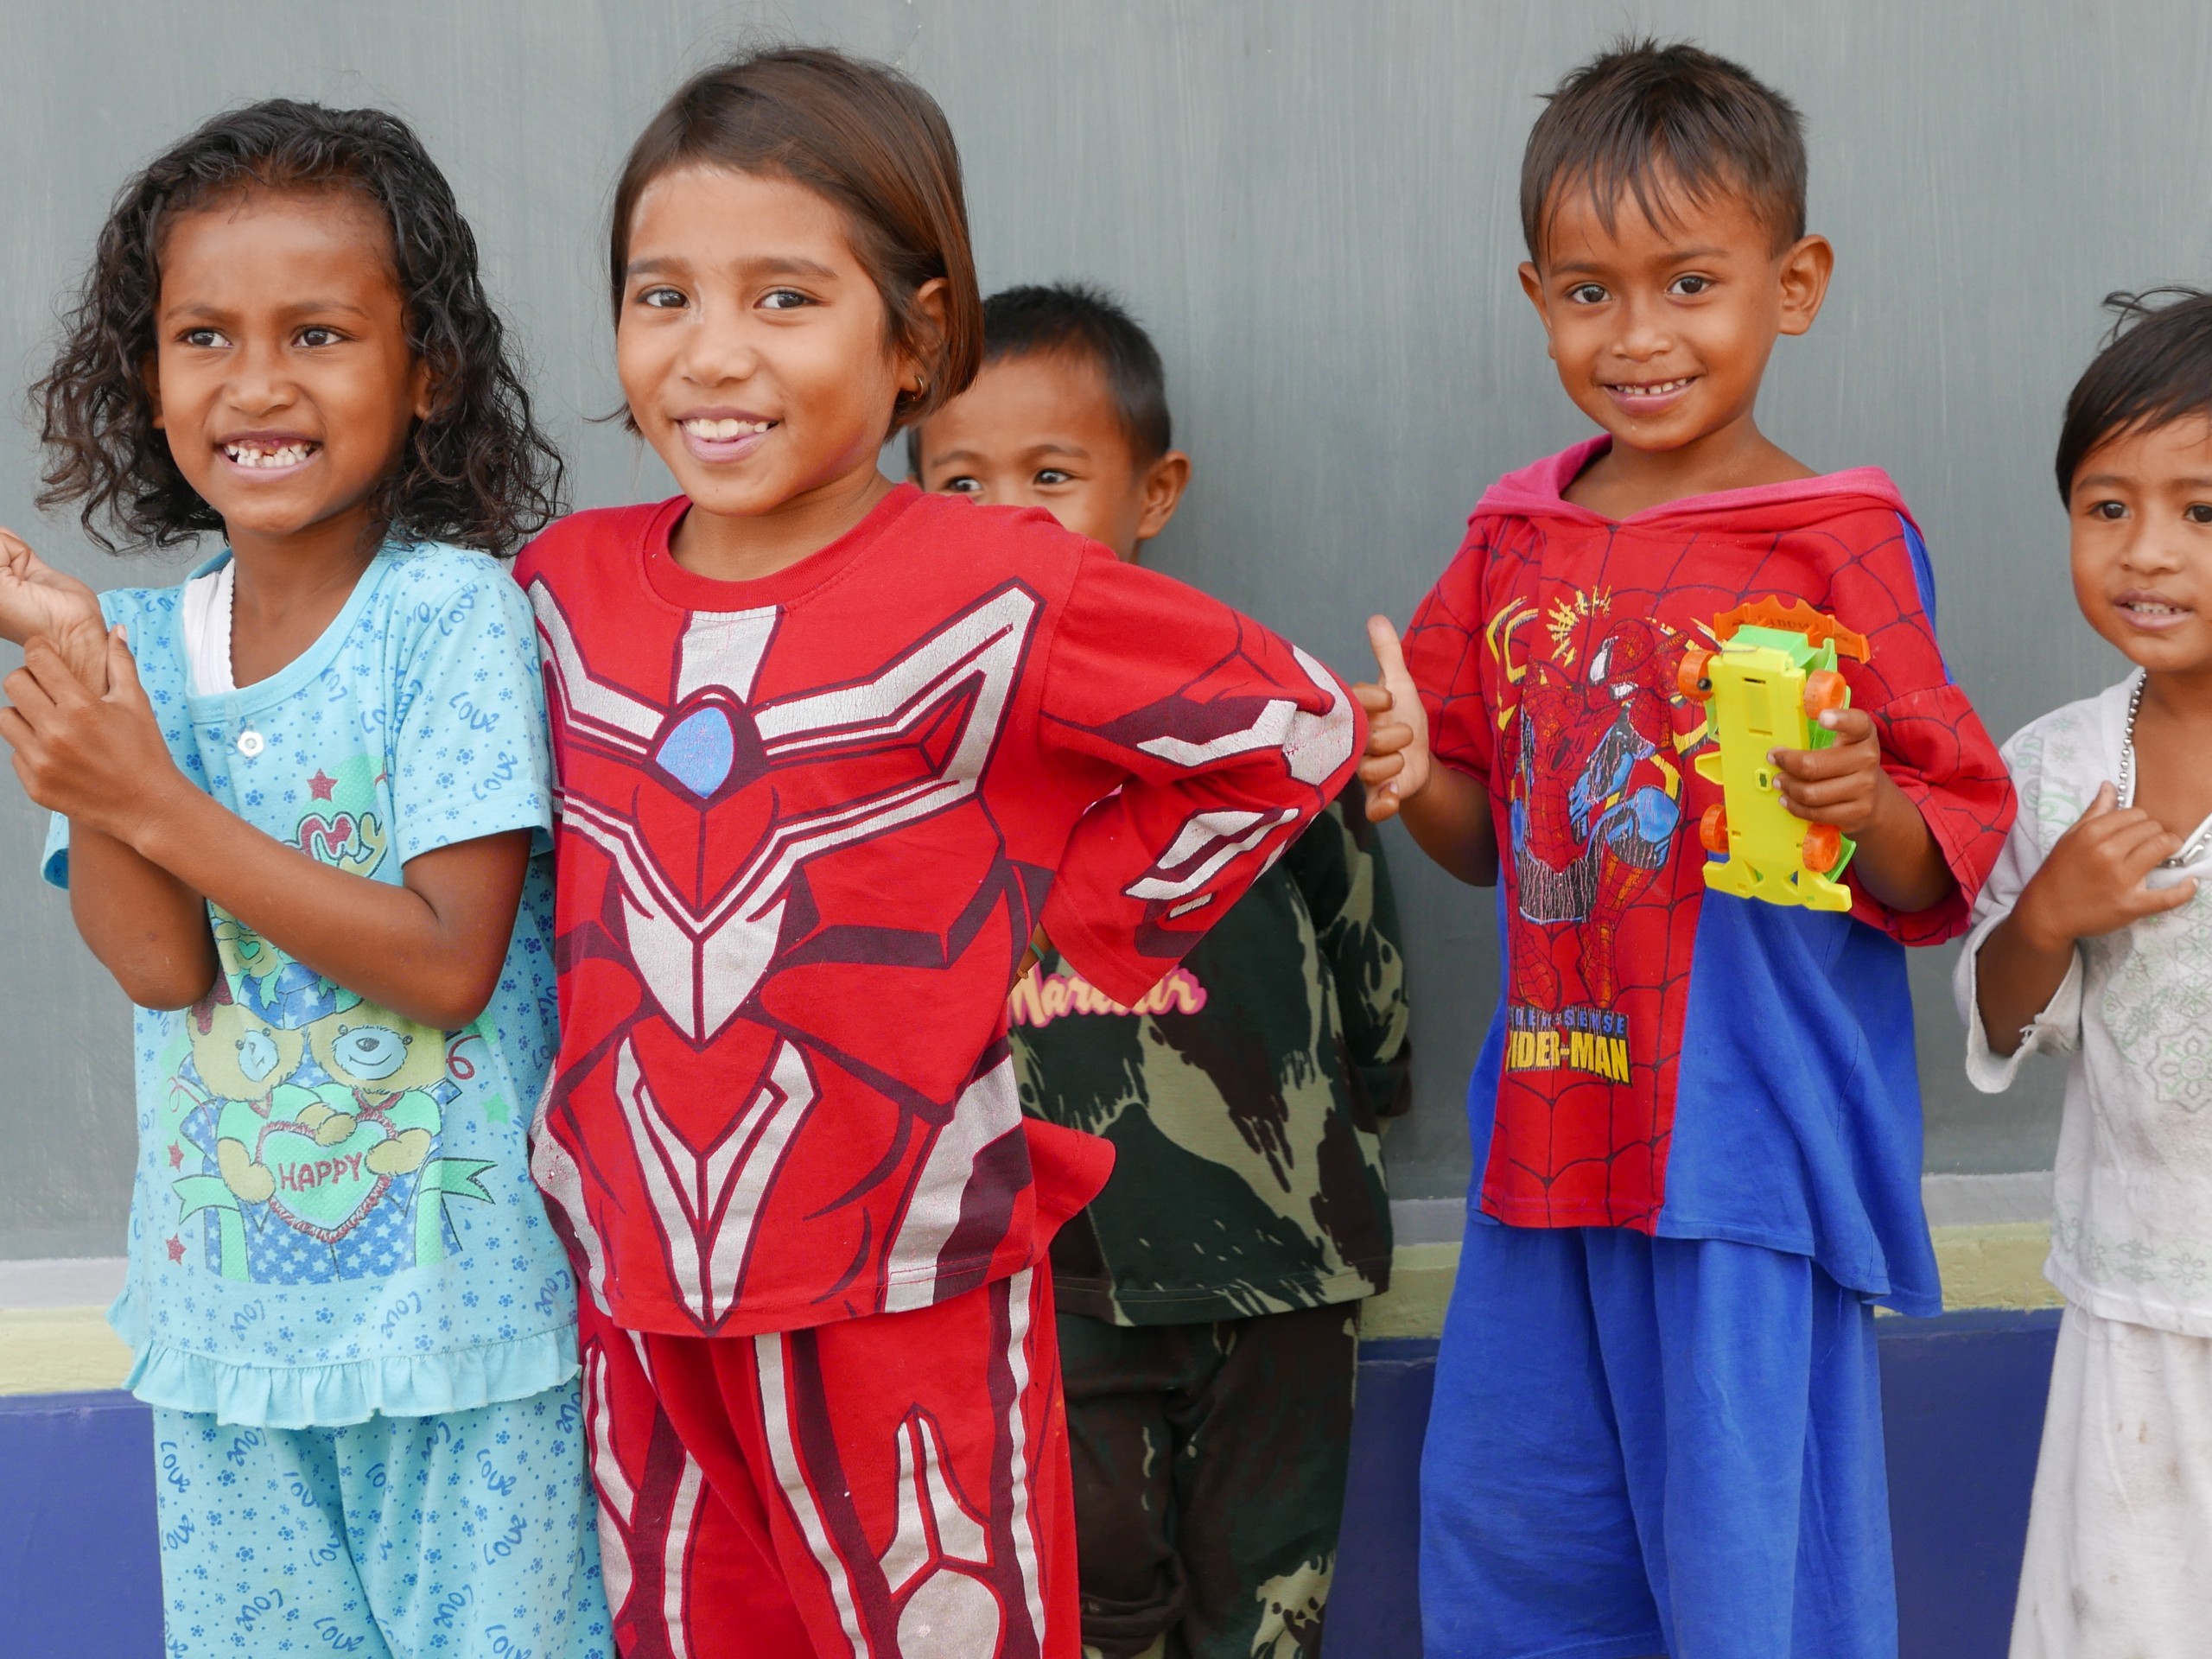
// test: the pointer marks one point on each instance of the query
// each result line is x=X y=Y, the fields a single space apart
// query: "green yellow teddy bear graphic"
x=376 y=1107
x=319 y=1119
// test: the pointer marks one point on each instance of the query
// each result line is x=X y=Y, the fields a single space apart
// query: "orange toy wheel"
x=1689 y=676
x=1825 y=690
x=1823 y=846
x=1712 y=829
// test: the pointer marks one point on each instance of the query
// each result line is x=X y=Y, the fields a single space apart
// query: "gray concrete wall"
x=1312 y=205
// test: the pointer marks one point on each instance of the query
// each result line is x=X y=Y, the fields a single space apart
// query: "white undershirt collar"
x=208 y=603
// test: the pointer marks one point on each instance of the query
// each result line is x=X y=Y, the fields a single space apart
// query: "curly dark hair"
x=476 y=470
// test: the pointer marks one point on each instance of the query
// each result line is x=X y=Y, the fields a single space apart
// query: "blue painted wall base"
x=1962 y=1398
x=79 y=1569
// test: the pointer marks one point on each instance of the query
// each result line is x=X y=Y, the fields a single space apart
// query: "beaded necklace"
x=2196 y=844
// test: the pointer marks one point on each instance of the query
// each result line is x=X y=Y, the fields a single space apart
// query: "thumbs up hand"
x=1396 y=766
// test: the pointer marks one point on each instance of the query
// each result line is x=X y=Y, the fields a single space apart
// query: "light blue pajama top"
x=333 y=1215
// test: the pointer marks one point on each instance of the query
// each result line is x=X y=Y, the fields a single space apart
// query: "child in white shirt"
x=2091 y=939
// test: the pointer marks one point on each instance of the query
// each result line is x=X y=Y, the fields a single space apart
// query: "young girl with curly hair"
x=298 y=805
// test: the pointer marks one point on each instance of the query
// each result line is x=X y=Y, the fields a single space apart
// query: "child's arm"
x=1207 y=745
x=1446 y=812
x=1897 y=861
x=2090 y=884
x=1914 y=778
x=430 y=948
x=147 y=927
x=1337 y=865
x=36 y=599
x=144 y=925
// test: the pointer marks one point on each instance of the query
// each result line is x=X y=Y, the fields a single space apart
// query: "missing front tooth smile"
x=255 y=456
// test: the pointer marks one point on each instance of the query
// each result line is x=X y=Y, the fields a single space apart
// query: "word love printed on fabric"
x=1547 y=655
x=331 y=1200
x=810 y=823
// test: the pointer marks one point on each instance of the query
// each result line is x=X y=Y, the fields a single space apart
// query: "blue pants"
x=469 y=1534
x=1643 y=1444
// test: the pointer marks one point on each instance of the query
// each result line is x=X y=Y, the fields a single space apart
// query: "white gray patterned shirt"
x=2131 y=1227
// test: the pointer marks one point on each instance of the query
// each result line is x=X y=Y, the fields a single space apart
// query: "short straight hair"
x=2155 y=368
x=1642 y=116
x=867 y=140
x=1078 y=320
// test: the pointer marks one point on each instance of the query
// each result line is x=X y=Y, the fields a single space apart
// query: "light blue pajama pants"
x=470 y=1535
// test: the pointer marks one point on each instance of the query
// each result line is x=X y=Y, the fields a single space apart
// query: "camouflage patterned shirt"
x=1244 y=1096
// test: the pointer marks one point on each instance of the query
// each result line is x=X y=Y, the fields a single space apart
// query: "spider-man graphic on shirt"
x=1547 y=657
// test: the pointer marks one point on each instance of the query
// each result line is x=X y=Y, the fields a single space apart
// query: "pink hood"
x=1535 y=492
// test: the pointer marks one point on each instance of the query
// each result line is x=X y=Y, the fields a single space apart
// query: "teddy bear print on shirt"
x=305 y=1145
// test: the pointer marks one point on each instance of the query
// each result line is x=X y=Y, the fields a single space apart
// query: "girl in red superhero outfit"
x=828 y=751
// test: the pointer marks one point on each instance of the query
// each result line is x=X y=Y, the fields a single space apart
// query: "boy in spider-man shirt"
x=1658 y=1414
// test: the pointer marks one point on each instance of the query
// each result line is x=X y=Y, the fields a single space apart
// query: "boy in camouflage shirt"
x=1207 y=1334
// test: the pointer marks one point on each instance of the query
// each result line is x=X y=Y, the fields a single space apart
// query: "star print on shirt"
x=422 y=646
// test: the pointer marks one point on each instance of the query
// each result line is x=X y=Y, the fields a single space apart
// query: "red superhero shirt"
x=808 y=825
x=1546 y=655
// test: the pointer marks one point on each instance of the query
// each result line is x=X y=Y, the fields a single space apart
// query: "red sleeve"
x=1441 y=654
x=1933 y=744
x=1228 y=740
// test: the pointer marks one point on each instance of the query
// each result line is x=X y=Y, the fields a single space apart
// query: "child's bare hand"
x=1841 y=784
x=1396 y=766
x=2092 y=883
x=36 y=599
x=1038 y=945
x=99 y=759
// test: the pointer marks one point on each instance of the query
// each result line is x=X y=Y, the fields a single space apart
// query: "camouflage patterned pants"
x=1208 y=1464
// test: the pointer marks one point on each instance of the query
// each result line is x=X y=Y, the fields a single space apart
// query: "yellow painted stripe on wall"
x=57 y=1351
x=1993 y=1266
x=60 y=1350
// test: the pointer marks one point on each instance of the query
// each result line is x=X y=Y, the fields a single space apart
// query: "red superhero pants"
x=892 y=1487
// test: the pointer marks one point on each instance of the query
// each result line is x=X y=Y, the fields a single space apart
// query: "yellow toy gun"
x=1766 y=687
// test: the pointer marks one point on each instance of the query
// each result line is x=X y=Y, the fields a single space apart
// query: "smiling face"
x=753 y=347
x=2141 y=532
x=281 y=375
x=1662 y=331
x=1042 y=430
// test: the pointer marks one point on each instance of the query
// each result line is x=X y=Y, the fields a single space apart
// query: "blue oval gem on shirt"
x=698 y=750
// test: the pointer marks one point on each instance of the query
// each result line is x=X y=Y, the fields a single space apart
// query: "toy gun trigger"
x=1847 y=644
x=1797 y=617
